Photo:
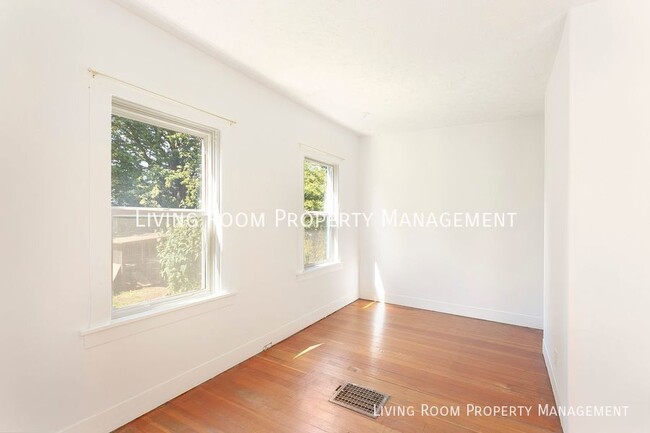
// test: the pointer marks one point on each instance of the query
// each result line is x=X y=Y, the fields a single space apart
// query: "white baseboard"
x=551 y=374
x=144 y=402
x=467 y=311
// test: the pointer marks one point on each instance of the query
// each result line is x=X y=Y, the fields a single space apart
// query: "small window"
x=320 y=242
x=163 y=192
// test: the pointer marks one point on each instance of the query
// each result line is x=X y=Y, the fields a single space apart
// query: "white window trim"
x=334 y=264
x=103 y=92
x=152 y=319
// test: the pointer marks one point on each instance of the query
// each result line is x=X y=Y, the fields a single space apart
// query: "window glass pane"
x=319 y=206
x=317 y=239
x=315 y=178
x=154 y=167
x=156 y=256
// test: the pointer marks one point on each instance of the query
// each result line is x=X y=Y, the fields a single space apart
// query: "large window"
x=320 y=242
x=163 y=199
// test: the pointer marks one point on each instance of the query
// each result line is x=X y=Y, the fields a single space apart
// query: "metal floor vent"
x=359 y=399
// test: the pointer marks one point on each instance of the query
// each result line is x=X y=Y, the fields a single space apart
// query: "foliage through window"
x=163 y=241
x=320 y=201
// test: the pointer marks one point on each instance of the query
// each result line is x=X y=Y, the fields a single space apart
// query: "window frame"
x=102 y=326
x=207 y=211
x=308 y=153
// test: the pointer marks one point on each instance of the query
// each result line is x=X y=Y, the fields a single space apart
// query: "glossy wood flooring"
x=418 y=357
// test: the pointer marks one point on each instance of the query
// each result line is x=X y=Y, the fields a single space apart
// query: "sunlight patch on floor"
x=309 y=349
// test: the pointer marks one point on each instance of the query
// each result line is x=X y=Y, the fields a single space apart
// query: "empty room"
x=325 y=216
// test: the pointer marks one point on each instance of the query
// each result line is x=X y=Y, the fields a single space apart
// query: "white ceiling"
x=382 y=65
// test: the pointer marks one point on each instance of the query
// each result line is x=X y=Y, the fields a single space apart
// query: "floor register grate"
x=360 y=399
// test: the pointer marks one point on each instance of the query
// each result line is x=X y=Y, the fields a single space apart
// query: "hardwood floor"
x=418 y=357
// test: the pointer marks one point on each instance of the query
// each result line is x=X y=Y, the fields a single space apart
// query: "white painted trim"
x=104 y=95
x=554 y=387
x=130 y=409
x=319 y=154
x=150 y=319
x=317 y=270
x=467 y=311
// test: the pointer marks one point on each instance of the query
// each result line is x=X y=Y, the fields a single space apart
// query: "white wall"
x=556 y=219
x=490 y=273
x=608 y=212
x=48 y=380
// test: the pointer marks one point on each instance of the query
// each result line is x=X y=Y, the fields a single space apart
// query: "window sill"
x=137 y=323
x=318 y=270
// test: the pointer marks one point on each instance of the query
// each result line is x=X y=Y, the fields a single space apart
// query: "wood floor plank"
x=418 y=357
